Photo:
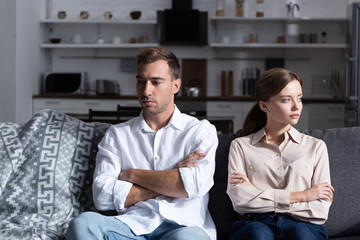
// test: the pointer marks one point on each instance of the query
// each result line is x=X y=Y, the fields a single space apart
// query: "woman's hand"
x=191 y=160
x=322 y=191
x=238 y=178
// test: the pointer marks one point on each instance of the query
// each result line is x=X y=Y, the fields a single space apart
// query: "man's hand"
x=191 y=160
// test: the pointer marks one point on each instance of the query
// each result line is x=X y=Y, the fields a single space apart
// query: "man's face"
x=156 y=88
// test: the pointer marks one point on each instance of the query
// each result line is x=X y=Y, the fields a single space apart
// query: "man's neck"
x=157 y=121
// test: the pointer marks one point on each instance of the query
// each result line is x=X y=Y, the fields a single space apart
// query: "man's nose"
x=147 y=88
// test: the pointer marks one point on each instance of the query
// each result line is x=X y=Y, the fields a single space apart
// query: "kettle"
x=193 y=91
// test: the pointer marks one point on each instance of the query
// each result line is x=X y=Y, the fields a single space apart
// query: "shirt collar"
x=293 y=134
x=175 y=121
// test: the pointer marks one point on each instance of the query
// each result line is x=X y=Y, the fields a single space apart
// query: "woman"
x=279 y=180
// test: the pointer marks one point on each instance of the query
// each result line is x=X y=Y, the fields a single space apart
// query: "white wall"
x=29 y=58
x=7 y=60
x=22 y=62
x=21 y=59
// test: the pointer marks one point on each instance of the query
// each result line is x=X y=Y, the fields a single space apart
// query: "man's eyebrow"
x=151 y=79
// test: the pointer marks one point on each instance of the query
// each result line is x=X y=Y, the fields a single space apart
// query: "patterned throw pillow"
x=46 y=169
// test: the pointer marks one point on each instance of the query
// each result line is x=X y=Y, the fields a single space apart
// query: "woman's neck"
x=276 y=135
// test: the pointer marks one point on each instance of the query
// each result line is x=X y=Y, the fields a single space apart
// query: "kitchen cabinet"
x=80 y=106
x=267 y=32
x=231 y=110
x=323 y=116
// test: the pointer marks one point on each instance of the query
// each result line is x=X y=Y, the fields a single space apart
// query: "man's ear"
x=177 y=85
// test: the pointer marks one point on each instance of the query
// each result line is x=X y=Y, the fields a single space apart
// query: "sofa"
x=46 y=168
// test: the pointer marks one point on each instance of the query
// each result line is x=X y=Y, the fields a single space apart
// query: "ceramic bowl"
x=135 y=15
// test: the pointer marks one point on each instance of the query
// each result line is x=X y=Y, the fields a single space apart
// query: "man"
x=156 y=169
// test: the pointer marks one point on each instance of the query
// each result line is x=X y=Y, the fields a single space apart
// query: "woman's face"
x=285 y=107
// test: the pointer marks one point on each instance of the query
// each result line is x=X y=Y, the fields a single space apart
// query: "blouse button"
x=251 y=167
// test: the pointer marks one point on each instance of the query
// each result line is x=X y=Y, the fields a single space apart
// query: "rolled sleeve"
x=121 y=190
x=198 y=180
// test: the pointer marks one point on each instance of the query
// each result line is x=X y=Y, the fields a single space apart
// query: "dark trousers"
x=274 y=226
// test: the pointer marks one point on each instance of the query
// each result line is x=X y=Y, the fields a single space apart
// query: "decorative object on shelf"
x=323 y=37
x=253 y=38
x=220 y=8
x=259 y=8
x=291 y=7
x=116 y=40
x=292 y=32
x=84 y=14
x=304 y=38
x=312 y=38
x=230 y=83
x=143 y=38
x=77 y=39
x=108 y=15
x=239 y=8
x=55 y=40
x=281 y=39
x=61 y=14
x=100 y=40
x=132 y=40
x=135 y=15
x=223 y=83
x=225 y=39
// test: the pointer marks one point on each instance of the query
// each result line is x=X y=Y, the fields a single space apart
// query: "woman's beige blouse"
x=300 y=162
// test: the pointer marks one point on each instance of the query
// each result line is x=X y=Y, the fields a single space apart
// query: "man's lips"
x=148 y=101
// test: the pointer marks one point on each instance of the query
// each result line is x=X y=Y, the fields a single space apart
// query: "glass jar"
x=259 y=8
x=220 y=8
x=323 y=37
x=239 y=8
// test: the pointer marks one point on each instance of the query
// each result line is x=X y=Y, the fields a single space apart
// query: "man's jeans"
x=91 y=225
x=271 y=226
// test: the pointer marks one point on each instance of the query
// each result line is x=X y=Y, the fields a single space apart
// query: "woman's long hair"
x=270 y=83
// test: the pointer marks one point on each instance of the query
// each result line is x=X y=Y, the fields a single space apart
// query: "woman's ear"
x=263 y=106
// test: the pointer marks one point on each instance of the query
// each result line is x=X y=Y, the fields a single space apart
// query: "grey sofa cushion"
x=344 y=152
x=46 y=169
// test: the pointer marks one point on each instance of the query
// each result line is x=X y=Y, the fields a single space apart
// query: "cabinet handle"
x=92 y=103
x=224 y=105
x=334 y=119
x=52 y=102
x=335 y=108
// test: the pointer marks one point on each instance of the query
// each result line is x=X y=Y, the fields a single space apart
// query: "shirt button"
x=156 y=158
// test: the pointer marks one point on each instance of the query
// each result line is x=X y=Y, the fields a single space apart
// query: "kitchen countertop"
x=201 y=98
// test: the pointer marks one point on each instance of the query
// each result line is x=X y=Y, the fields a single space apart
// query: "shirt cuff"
x=120 y=193
x=188 y=181
x=281 y=200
